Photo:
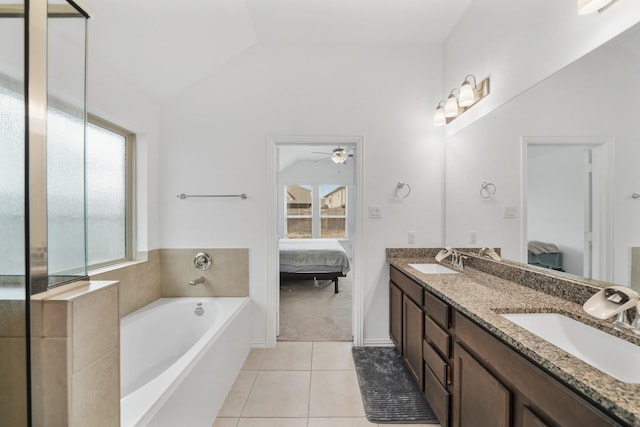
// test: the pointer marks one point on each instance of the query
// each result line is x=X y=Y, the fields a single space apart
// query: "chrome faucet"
x=619 y=301
x=197 y=281
x=457 y=259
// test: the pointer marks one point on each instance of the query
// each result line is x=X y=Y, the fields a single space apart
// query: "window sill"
x=113 y=267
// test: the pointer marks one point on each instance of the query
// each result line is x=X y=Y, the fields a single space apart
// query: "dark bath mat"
x=389 y=392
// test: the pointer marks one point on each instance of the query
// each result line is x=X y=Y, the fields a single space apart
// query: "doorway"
x=308 y=175
x=566 y=220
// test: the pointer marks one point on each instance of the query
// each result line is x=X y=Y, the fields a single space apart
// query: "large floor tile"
x=279 y=394
x=272 y=422
x=225 y=422
x=288 y=356
x=335 y=394
x=341 y=422
x=332 y=356
x=254 y=359
x=238 y=395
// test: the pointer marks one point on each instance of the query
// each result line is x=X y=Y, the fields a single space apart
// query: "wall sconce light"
x=586 y=7
x=439 y=118
x=468 y=96
x=451 y=107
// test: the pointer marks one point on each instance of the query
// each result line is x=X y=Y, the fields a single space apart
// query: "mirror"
x=534 y=149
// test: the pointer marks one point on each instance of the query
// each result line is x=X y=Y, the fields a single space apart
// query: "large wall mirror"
x=564 y=159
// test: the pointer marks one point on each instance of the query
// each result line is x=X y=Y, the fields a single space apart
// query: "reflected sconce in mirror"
x=586 y=7
x=468 y=95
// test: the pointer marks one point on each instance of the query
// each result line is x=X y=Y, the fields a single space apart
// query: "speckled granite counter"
x=482 y=297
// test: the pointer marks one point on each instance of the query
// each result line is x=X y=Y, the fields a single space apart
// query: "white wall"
x=577 y=101
x=555 y=201
x=519 y=43
x=214 y=140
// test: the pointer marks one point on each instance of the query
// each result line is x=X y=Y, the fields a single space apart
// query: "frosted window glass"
x=11 y=182
x=106 y=195
x=65 y=193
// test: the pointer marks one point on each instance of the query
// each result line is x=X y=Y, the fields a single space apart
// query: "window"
x=316 y=211
x=299 y=214
x=333 y=211
x=109 y=170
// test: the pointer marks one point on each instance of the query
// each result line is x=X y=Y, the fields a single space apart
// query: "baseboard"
x=378 y=343
x=258 y=344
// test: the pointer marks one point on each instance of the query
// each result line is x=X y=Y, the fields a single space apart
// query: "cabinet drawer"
x=437 y=336
x=412 y=289
x=439 y=367
x=438 y=397
x=437 y=309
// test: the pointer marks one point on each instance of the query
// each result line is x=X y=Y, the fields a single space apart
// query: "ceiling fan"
x=338 y=156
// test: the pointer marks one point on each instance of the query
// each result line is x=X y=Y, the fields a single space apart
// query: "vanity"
x=477 y=368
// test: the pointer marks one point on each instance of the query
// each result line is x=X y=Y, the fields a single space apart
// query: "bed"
x=545 y=255
x=313 y=259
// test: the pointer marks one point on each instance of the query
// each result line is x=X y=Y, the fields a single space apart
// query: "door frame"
x=273 y=275
x=602 y=149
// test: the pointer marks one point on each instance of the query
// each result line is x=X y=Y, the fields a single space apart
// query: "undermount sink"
x=611 y=355
x=433 y=269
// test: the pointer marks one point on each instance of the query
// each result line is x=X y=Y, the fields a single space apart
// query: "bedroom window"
x=299 y=215
x=333 y=211
x=316 y=211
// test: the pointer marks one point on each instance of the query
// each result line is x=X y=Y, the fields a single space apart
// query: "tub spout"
x=197 y=281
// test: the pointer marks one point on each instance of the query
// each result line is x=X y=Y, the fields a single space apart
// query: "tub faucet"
x=199 y=280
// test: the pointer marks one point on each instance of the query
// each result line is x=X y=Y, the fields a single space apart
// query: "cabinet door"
x=395 y=316
x=480 y=399
x=413 y=332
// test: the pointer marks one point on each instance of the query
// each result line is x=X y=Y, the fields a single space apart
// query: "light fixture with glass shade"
x=586 y=7
x=438 y=118
x=339 y=155
x=451 y=107
x=468 y=96
x=467 y=92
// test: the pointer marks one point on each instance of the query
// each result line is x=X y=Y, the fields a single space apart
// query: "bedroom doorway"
x=566 y=205
x=315 y=288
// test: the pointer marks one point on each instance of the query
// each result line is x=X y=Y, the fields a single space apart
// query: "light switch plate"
x=509 y=212
x=375 y=211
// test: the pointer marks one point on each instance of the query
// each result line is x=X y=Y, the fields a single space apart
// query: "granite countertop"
x=483 y=297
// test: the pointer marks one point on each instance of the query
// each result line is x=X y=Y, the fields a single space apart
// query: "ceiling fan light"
x=339 y=156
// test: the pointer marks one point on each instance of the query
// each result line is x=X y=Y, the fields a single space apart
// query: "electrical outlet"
x=411 y=237
x=473 y=237
x=375 y=211
x=509 y=212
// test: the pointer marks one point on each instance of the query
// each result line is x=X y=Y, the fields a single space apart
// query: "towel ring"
x=402 y=190
x=487 y=190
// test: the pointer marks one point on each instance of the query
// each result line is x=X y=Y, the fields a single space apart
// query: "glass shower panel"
x=13 y=294
x=66 y=149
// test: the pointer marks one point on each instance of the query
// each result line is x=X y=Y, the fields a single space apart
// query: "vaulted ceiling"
x=162 y=46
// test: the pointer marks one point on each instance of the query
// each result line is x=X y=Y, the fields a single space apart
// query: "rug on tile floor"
x=389 y=392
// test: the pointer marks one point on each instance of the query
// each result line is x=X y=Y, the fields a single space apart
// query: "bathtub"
x=176 y=367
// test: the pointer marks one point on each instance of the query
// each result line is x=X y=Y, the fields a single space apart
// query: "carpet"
x=310 y=313
x=389 y=392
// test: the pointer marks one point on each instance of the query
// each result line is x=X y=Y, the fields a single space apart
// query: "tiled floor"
x=297 y=384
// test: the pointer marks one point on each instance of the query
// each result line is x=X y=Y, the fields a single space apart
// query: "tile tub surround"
x=140 y=282
x=482 y=297
x=75 y=359
x=227 y=277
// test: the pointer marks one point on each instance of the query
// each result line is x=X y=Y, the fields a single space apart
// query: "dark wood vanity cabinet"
x=406 y=327
x=470 y=377
x=496 y=386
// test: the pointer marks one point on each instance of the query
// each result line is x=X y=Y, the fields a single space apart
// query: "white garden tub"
x=176 y=367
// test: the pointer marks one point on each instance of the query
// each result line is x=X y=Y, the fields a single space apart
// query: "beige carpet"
x=309 y=313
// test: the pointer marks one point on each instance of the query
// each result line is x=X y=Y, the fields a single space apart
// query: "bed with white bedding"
x=313 y=259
